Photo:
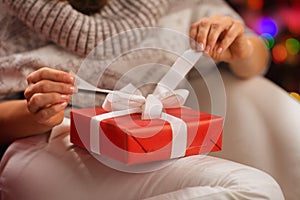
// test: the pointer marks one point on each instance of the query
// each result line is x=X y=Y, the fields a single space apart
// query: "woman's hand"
x=48 y=94
x=221 y=37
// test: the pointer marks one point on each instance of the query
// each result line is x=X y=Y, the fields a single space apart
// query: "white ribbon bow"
x=151 y=107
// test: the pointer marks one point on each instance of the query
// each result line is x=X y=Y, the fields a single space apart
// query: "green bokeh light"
x=292 y=45
x=268 y=40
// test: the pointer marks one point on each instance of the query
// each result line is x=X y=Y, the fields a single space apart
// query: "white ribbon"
x=130 y=100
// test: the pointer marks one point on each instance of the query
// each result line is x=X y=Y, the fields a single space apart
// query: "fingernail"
x=207 y=49
x=73 y=89
x=64 y=97
x=63 y=105
x=201 y=45
x=220 y=49
x=72 y=79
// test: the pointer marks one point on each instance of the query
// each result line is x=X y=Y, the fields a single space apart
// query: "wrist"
x=253 y=62
x=244 y=53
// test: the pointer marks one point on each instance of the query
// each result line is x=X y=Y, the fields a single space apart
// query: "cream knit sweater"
x=58 y=22
x=37 y=33
x=29 y=27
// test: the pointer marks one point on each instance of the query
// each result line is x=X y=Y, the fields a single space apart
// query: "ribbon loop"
x=153 y=108
x=121 y=101
x=174 y=99
x=150 y=107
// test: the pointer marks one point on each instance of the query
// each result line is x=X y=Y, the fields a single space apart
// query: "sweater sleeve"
x=80 y=33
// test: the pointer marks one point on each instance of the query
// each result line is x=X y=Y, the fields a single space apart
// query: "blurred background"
x=278 y=23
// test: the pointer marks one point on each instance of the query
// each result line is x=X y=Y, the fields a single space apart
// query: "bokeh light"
x=255 y=4
x=290 y=17
x=293 y=46
x=295 y=95
x=279 y=53
x=278 y=24
x=268 y=40
x=267 y=25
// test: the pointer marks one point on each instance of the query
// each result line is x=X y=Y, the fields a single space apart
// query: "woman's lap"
x=43 y=168
x=261 y=128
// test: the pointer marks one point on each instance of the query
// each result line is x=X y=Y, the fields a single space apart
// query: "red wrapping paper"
x=131 y=140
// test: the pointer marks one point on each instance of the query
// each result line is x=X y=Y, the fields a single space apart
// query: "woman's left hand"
x=221 y=37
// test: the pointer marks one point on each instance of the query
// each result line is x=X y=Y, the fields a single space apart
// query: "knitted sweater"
x=31 y=25
x=37 y=33
x=58 y=22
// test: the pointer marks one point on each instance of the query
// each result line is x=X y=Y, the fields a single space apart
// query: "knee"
x=250 y=183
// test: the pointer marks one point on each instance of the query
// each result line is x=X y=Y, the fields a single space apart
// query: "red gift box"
x=131 y=140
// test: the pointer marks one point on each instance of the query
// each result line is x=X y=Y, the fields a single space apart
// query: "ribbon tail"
x=179 y=138
x=83 y=85
x=178 y=71
x=95 y=126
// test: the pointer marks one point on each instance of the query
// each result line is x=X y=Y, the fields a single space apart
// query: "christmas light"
x=279 y=53
x=292 y=45
x=255 y=4
x=267 y=25
x=268 y=40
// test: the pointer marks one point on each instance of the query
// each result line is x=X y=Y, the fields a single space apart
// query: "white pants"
x=261 y=128
x=38 y=168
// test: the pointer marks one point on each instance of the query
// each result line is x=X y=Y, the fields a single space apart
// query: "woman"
x=187 y=178
x=49 y=159
x=222 y=37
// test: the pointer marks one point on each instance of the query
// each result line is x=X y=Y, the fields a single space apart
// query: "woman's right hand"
x=48 y=94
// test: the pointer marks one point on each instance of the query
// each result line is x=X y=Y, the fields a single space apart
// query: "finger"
x=40 y=101
x=193 y=34
x=216 y=30
x=45 y=114
x=230 y=35
x=203 y=30
x=50 y=74
x=46 y=86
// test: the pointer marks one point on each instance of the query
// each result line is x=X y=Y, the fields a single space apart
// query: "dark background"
x=278 y=23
